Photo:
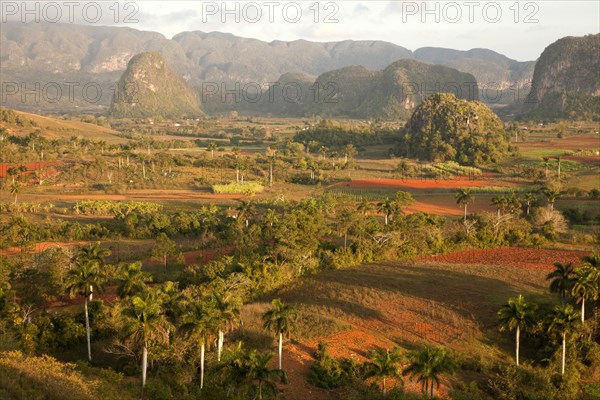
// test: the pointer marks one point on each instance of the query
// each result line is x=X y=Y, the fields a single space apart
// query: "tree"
x=248 y=373
x=280 y=320
x=427 y=365
x=546 y=165
x=245 y=210
x=163 y=248
x=198 y=324
x=82 y=280
x=563 y=321
x=385 y=364
x=528 y=198
x=146 y=323
x=584 y=286
x=516 y=315
x=15 y=189
x=364 y=207
x=561 y=280
x=349 y=152
x=400 y=200
x=500 y=202
x=227 y=307
x=551 y=195
x=212 y=146
x=132 y=280
x=93 y=252
x=464 y=197
x=386 y=206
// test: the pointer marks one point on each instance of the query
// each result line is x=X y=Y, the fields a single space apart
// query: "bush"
x=326 y=372
x=247 y=188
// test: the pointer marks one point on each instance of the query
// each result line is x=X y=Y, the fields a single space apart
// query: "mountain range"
x=64 y=53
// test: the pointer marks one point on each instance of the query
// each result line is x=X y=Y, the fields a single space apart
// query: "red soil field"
x=31 y=167
x=584 y=159
x=39 y=247
x=421 y=183
x=191 y=257
x=542 y=259
x=353 y=344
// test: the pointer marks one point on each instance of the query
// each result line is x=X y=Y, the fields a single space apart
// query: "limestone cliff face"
x=48 y=52
x=566 y=81
x=149 y=88
x=390 y=94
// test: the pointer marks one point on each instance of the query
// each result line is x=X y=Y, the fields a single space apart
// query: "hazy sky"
x=518 y=29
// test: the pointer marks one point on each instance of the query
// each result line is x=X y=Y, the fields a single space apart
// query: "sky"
x=519 y=29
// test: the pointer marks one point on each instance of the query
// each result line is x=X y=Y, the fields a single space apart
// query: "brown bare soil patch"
x=584 y=159
x=540 y=259
x=154 y=194
x=39 y=247
x=422 y=183
x=191 y=257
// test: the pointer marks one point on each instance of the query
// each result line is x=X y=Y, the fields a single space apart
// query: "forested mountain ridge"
x=99 y=54
x=566 y=81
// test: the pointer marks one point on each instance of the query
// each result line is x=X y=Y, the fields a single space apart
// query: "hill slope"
x=97 y=54
x=149 y=88
x=566 y=81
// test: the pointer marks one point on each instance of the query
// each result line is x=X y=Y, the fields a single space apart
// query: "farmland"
x=371 y=250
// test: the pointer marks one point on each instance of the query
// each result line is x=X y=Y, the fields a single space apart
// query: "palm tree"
x=546 y=165
x=82 y=280
x=198 y=324
x=561 y=280
x=563 y=320
x=245 y=210
x=584 y=287
x=364 y=207
x=227 y=308
x=146 y=323
x=281 y=320
x=385 y=364
x=95 y=253
x=386 y=206
x=551 y=195
x=500 y=202
x=427 y=365
x=92 y=252
x=528 y=198
x=248 y=372
x=15 y=189
x=516 y=315
x=212 y=146
x=132 y=280
x=261 y=376
x=464 y=197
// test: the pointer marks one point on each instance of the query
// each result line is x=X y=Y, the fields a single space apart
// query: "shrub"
x=247 y=188
x=326 y=372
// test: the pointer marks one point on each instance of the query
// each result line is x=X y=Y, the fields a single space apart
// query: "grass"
x=238 y=188
x=54 y=128
x=412 y=302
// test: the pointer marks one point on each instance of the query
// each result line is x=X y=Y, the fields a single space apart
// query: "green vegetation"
x=445 y=128
x=247 y=188
x=566 y=90
x=187 y=272
x=150 y=89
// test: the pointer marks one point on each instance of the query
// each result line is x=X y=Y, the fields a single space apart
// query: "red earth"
x=542 y=259
x=31 y=167
x=39 y=247
x=422 y=183
x=191 y=257
x=584 y=159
